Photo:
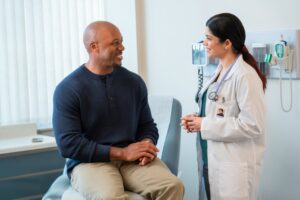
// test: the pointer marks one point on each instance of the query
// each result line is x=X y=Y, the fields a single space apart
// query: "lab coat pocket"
x=233 y=180
x=224 y=109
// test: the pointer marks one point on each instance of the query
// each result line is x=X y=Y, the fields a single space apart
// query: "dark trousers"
x=206 y=181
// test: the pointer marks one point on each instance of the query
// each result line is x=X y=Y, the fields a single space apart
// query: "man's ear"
x=93 y=46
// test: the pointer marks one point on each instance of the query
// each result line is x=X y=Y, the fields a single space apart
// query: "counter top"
x=26 y=143
x=23 y=137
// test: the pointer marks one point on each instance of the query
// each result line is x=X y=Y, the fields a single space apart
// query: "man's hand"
x=145 y=160
x=143 y=151
x=137 y=150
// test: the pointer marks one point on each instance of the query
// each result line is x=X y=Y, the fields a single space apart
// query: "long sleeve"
x=69 y=133
x=146 y=126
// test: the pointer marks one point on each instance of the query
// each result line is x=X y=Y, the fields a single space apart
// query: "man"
x=103 y=124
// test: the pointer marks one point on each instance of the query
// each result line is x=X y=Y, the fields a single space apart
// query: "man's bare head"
x=95 y=32
x=104 y=43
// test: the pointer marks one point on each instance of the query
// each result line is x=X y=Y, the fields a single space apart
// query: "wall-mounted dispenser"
x=259 y=52
x=277 y=52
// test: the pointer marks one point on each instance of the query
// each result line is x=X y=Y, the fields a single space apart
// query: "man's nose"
x=121 y=47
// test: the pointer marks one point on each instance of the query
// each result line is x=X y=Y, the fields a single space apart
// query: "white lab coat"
x=235 y=142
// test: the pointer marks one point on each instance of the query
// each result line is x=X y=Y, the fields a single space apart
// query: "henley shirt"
x=94 y=112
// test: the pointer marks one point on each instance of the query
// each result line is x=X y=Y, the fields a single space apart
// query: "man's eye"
x=116 y=43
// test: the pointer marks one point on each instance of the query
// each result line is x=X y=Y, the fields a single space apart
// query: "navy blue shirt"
x=94 y=112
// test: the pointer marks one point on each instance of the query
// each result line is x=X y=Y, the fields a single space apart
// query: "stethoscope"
x=214 y=95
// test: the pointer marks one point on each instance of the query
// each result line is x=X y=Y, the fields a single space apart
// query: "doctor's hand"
x=191 y=123
x=184 y=120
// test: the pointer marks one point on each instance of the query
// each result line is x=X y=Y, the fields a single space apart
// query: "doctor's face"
x=214 y=48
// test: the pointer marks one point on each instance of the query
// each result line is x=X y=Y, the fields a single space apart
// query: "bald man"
x=103 y=124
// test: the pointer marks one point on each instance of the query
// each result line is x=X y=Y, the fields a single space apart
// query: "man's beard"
x=117 y=65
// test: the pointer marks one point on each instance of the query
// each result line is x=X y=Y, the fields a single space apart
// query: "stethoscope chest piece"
x=213 y=96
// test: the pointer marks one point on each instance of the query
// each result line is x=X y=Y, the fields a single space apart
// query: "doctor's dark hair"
x=228 y=26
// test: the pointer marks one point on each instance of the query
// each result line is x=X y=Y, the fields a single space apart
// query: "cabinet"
x=28 y=174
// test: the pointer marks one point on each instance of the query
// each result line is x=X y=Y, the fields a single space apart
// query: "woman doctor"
x=231 y=121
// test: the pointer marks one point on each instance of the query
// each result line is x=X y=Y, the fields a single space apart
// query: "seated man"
x=103 y=124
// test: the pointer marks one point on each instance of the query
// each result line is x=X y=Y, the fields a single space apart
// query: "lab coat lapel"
x=234 y=67
x=212 y=79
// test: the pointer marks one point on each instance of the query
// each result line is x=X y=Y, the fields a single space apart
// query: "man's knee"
x=172 y=189
x=112 y=195
x=115 y=197
x=109 y=192
x=176 y=186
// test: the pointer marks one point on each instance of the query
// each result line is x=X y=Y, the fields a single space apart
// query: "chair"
x=166 y=112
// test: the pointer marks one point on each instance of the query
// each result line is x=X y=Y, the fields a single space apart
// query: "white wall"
x=166 y=31
x=123 y=15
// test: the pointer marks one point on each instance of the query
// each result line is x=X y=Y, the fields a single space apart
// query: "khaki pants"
x=107 y=181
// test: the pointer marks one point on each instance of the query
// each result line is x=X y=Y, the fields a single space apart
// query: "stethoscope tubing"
x=214 y=95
